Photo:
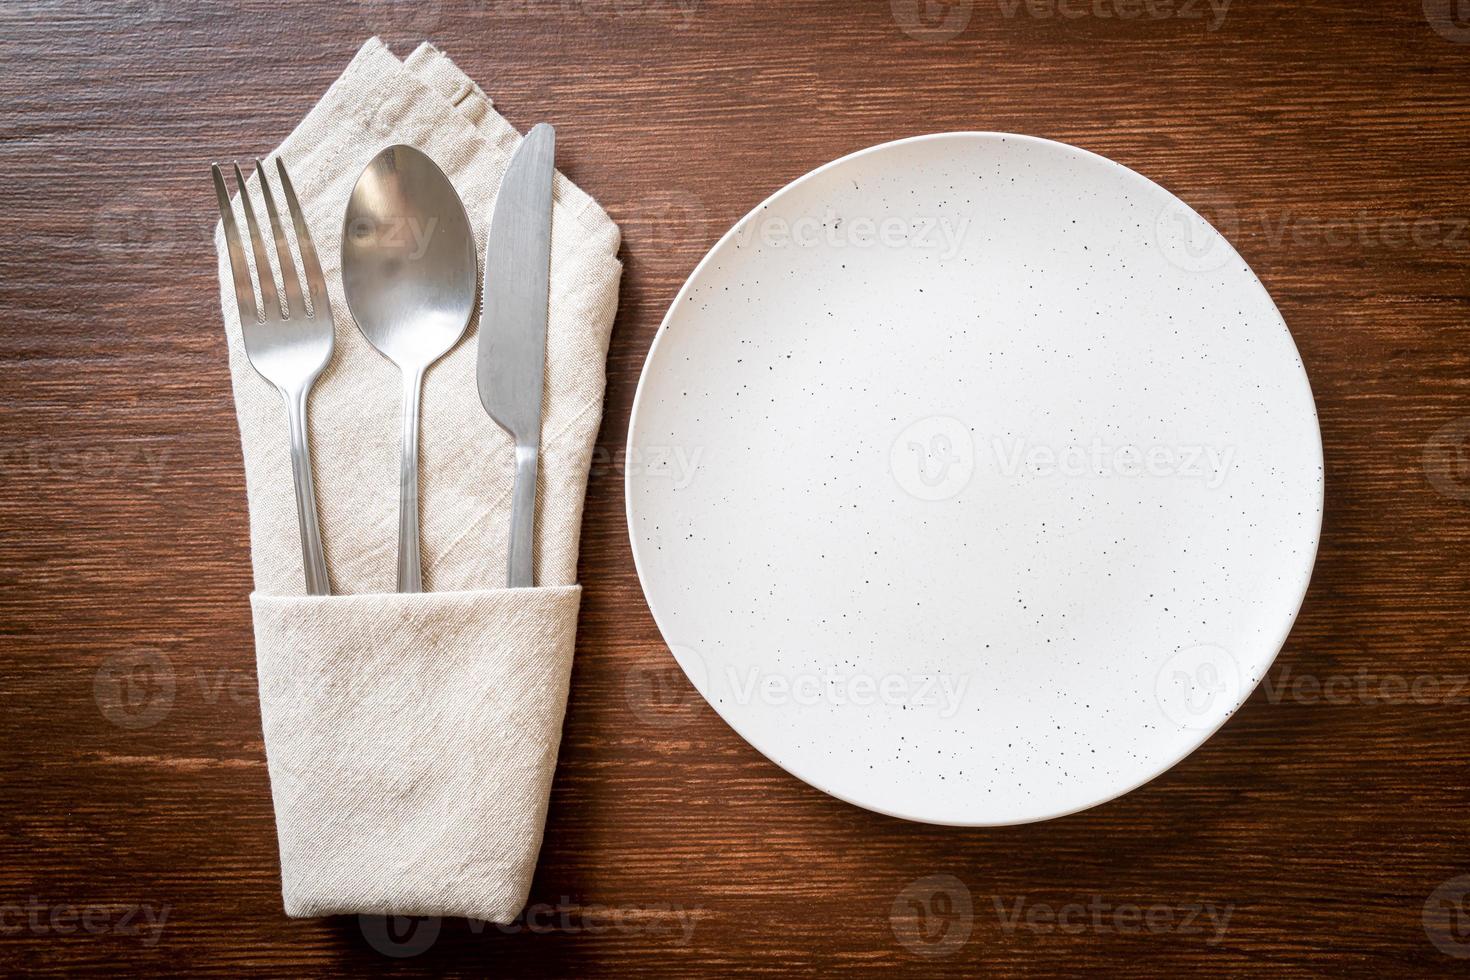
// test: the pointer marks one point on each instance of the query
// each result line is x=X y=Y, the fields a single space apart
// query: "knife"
x=512 y=354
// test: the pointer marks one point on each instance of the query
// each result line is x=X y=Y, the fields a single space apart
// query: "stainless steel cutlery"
x=287 y=342
x=409 y=273
x=512 y=354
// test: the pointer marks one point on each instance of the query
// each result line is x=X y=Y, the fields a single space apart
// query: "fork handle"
x=311 y=535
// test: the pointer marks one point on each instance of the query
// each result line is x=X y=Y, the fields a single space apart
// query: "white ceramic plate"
x=974 y=479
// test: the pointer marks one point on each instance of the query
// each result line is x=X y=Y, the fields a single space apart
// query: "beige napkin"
x=411 y=739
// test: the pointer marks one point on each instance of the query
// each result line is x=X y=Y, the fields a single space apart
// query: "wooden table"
x=1331 y=141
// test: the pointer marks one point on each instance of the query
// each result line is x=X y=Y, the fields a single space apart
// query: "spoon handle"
x=410 y=569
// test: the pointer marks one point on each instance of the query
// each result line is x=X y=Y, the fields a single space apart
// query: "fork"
x=287 y=342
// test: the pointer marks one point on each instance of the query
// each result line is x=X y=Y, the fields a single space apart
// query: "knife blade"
x=511 y=358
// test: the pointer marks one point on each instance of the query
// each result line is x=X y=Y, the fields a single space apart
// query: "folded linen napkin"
x=411 y=739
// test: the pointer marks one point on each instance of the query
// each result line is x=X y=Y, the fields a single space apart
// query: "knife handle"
x=522 y=574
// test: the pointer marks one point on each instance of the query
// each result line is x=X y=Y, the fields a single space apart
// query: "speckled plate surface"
x=974 y=479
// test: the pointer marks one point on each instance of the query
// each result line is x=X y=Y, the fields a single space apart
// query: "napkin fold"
x=411 y=739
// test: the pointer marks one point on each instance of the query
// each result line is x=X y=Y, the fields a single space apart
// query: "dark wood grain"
x=1317 y=134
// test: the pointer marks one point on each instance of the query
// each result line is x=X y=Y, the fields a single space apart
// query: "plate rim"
x=963 y=135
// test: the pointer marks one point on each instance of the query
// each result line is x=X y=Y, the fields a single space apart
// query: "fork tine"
x=239 y=268
x=294 y=305
x=316 y=283
x=268 y=297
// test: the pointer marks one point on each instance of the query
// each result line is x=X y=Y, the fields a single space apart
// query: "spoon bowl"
x=410 y=275
x=408 y=258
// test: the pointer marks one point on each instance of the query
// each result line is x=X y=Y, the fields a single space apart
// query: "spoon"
x=409 y=272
